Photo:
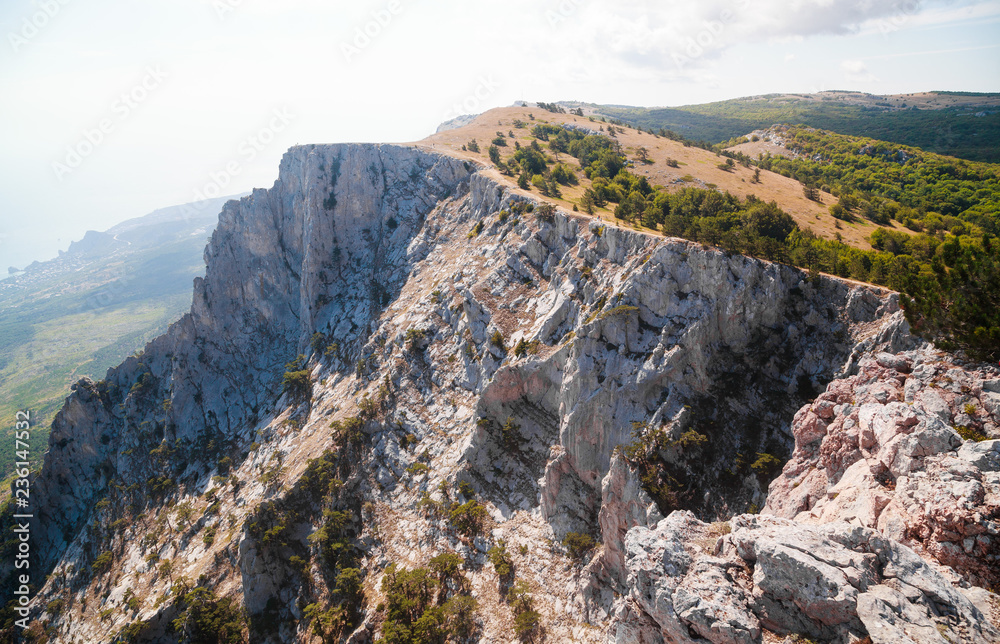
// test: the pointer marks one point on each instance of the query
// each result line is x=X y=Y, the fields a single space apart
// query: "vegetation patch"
x=297 y=380
x=578 y=544
x=423 y=606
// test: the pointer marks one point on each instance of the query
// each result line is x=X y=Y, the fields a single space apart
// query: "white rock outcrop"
x=508 y=355
x=882 y=450
x=834 y=582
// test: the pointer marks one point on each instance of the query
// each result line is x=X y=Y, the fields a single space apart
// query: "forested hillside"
x=953 y=204
x=949 y=268
x=969 y=129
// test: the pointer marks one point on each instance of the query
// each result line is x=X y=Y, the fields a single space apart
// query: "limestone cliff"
x=461 y=346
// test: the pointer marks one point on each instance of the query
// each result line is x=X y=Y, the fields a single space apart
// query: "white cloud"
x=856 y=71
x=675 y=38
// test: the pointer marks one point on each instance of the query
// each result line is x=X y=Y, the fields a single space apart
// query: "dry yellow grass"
x=696 y=168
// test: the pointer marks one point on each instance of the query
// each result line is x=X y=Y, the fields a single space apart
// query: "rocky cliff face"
x=462 y=345
x=884 y=449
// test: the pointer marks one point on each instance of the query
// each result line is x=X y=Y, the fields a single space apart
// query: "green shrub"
x=460 y=611
x=326 y=623
x=970 y=434
x=332 y=539
x=206 y=618
x=429 y=506
x=519 y=597
x=349 y=429
x=414 y=338
x=185 y=511
x=298 y=384
x=510 y=433
x=691 y=439
x=54 y=607
x=526 y=623
x=500 y=559
x=408 y=593
x=299 y=565
x=349 y=585
x=130 y=632
x=367 y=408
x=546 y=213
x=468 y=518
x=619 y=310
x=497 y=340
x=766 y=464
x=102 y=563
x=415 y=606
x=272 y=475
x=447 y=567
x=431 y=626
x=522 y=348
x=578 y=544
x=417 y=469
x=465 y=489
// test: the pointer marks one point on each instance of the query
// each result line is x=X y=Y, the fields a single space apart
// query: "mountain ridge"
x=478 y=371
x=954 y=124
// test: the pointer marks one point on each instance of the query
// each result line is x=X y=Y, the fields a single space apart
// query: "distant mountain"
x=95 y=304
x=959 y=124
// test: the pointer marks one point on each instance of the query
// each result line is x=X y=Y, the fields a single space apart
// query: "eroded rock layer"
x=460 y=346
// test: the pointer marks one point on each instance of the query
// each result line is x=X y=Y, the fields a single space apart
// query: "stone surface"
x=879 y=449
x=409 y=265
x=833 y=582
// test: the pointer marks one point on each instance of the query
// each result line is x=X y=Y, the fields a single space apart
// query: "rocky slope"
x=883 y=524
x=884 y=449
x=464 y=346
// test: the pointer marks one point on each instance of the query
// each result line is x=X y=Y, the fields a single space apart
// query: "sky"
x=112 y=109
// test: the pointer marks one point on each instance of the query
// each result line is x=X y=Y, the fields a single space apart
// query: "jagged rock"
x=984 y=455
x=879 y=449
x=624 y=505
x=408 y=279
x=835 y=582
x=715 y=607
